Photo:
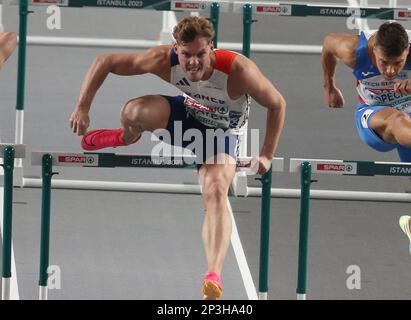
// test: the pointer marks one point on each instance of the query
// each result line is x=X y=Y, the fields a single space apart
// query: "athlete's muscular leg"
x=146 y=113
x=8 y=42
x=392 y=126
x=215 y=180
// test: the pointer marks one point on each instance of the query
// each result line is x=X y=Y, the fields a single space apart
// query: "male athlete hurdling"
x=381 y=64
x=216 y=86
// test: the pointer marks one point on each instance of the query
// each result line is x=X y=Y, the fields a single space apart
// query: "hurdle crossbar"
x=307 y=167
x=283 y=8
x=111 y=160
x=8 y=152
x=353 y=168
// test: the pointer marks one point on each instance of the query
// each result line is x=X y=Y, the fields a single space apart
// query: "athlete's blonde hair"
x=191 y=27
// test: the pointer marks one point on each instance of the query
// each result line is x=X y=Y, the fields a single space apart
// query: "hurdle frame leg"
x=303 y=234
x=265 y=234
x=47 y=174
x=8 y=167
x=215 y=20
x=21 y=78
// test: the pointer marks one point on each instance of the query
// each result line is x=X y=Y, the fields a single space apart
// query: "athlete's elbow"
x=329 y=37
x=103 y=62
x=328 y=43
x=281 y=103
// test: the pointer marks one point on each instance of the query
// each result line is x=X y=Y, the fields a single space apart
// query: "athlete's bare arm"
x=8 y=42
x=336 y=47
x=155 y=61
x=246 y=78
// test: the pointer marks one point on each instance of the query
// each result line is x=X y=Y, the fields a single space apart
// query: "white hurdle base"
x=301 y=296
x=5 y=288
x=43 y=293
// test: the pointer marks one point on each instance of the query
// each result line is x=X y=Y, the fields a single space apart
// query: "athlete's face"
x=390 y=67
x=195 y=57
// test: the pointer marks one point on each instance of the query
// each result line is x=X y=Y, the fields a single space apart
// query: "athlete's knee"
x=134 y=111
x=400 y=117
x=397 y=120
x=215 y=193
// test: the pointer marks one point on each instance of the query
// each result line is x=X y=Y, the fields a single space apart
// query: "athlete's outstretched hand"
x=79 y=121
x=333 y=97
x=264 y=164
x=403 y=87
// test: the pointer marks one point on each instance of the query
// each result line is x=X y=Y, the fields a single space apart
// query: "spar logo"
x=76 y=159
x=190 y=5
x=195 y=105
x=334 y=167
x=404 y=14
x=272 y=9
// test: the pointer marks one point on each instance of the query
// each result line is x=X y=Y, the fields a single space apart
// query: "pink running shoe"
x=212 y=287
x=103 y=138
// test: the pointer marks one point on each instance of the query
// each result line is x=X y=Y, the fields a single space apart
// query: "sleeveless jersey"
x=208 y=101
x=372 y=88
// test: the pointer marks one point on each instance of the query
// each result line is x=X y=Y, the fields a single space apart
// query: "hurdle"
x=337 y=167
x=110 y=160
x=8 y=152
x=213 y=8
